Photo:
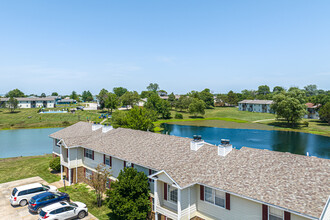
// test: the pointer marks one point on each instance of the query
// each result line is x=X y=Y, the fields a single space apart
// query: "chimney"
x=96 y=126
x=196 y=143
x=106 y=128
x=225 y=147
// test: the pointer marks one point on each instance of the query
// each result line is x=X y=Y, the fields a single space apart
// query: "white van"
x=22 y=194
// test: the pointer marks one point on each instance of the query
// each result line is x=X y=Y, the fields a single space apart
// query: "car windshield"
x=42 y=213
x=14 y=192
x=73 y=204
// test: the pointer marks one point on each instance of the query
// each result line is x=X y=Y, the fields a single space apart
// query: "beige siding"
x=297 y=217
x=238 y=207
x=56 y=148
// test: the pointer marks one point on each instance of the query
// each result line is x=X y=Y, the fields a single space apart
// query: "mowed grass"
x=24 y=167
x=30 y=118
x=80 y=192
x=227 y=113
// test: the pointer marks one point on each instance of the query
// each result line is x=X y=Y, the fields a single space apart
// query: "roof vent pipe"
x=196 y=143
x=225 y=147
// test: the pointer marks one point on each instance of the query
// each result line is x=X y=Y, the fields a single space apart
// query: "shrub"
x=178 y=116
x=305 y=123
x=55 y=164
x=66 y=123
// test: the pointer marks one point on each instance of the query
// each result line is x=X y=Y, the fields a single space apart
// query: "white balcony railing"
x=168 y=213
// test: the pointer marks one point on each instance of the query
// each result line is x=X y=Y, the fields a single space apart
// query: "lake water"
x=26 y=142
x=285 y=141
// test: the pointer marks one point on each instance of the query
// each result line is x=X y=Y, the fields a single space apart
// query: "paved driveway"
x=7 y=211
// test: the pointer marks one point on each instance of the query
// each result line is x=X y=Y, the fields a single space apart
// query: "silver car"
x=22 y=194
x=64 y=210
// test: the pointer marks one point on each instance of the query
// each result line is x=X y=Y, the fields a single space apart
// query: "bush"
x=305 y=123
x=66 y=123
x=178 y=116
x=55 y=164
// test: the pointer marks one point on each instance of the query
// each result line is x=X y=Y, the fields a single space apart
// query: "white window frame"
x=169 y=189
x=88 y=174
x=213 y=197
x=89 y=154
x=273 y=215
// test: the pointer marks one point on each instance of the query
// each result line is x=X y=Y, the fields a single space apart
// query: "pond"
x=284 y=141
x=26 y=142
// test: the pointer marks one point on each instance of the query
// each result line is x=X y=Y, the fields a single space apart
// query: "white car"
x=22 y=194
x=64 y=210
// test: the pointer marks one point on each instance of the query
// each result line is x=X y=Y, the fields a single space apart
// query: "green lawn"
x=30 y=118
x=24 y=167
x=81 y=193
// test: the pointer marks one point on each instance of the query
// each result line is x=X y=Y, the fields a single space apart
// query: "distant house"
x=166 y=97
x=66 y=101
x=34 y=102
x=255 y=106
x=142 y=102
x=312 y=111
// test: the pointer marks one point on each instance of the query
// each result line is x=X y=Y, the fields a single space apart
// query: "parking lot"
x=7 y=211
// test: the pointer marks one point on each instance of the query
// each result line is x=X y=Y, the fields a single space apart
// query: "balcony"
x=167 y=212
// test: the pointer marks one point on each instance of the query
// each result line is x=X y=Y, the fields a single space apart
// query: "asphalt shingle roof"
x=295 y=182
x=268 y=102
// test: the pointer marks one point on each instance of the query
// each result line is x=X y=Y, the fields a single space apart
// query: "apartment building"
x=34 y=102
x=255 y=106
x=192 y=179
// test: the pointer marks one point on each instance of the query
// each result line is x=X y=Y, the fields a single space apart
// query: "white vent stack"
x=106 y=128
x=96 y=126
x=196 y=143
x=225 y=147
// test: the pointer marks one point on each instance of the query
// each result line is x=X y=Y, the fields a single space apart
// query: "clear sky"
x=63 y=45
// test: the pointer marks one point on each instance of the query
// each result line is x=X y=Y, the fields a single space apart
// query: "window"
x=89 y=154
x=215 y=197
x=172 y=194
x=275 y=214
x=107 y=161
x=89 y=174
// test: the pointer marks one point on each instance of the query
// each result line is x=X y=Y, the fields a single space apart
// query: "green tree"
x=153 y=87
x=54 y=94
x=196 y=107
x=193 y=94
x=111 y=102
x=248 y=94
x=130 y=98
x=43 y=95
x=311 y=90
x=171 y=99
x=147 y=94
x=263 y=90
x=55 y=164
x=74 y=96
x=129 y=196
x=12 y=103
x=164 y=108
x=278 y=89
x=324 y=113
x=101 y=97
x=221 y=99
x=15 y=93
x=289 y=106
x=183 y=103
x=119 y=91
x=136 y=118
x=232 y=98
x=162 y=92
x=87 y=96
x=207 y=97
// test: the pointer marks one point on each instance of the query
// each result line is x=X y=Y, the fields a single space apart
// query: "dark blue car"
x=44 y=199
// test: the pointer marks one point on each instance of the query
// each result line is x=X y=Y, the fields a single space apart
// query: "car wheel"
x=23 y=202
x=38 y=210
x=81 y=214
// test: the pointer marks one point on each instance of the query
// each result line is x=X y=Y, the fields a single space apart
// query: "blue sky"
x=81 y=45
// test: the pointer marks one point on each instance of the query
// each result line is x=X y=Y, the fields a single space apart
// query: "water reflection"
x=284 y=141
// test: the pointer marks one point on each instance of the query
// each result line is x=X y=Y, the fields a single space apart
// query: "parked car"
x=22 y=194
x=39 y=201
x=64 y=210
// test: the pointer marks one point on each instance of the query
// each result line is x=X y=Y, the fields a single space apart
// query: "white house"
x=191 y=179
x=255 y=106
x=34 y=102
